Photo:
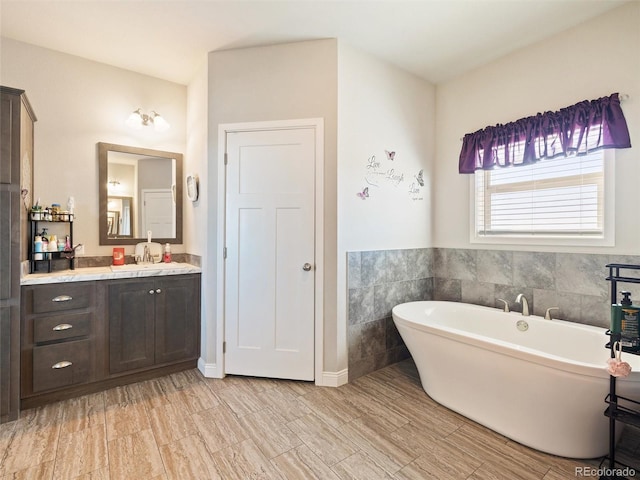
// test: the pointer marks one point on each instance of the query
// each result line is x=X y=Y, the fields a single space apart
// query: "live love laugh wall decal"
x=379 y=176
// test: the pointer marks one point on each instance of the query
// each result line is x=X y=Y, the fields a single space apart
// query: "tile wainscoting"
x=378 y=280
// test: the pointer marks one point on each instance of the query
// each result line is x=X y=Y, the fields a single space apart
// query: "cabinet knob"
x=158 y=291
x=63 y=364
x=62 y=298
x=62 y=326
x=151 y=292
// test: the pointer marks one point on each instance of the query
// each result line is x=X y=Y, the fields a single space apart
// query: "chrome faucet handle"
x=547 y=314
x=506 y=304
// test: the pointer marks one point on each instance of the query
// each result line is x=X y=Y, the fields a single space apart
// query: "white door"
x=158 y=212
x=269 y=270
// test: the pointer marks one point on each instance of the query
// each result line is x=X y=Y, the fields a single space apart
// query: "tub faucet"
x=525 y=305
x=506 y=304
x=547 y=315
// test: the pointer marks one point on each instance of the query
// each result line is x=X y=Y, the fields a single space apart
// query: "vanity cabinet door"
x=131 y=325
x=177 y=318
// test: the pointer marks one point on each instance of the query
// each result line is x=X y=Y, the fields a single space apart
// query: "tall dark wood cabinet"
x=16 y=193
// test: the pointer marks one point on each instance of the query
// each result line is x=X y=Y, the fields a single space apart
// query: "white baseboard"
x=329 y=379
x=334 y=379
x=209 y=370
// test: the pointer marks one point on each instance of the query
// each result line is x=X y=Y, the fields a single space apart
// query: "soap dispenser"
x=629 y=322
x=166 y=258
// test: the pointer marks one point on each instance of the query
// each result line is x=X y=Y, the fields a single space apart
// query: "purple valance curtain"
x=574 y=130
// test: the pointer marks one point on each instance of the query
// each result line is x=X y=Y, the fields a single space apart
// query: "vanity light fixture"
x=138 y=119
x=113 y=183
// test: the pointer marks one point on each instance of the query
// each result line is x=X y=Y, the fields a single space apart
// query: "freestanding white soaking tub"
x=544 y=387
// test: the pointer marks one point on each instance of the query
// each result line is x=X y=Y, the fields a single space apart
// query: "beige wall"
x=381 y=107
x=589 y=61
x=79 y=103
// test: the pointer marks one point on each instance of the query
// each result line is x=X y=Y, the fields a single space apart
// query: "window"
x=548 y=178
x=552 y=199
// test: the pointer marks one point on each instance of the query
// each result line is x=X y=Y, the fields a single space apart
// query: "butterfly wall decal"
x=390 y=155
x=420 y=178
x=364 y=194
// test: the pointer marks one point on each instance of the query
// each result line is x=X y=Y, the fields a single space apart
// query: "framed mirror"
x=140 y=191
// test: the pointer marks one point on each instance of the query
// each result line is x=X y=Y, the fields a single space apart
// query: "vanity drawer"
x=60 y=327
x=61 y=296
x=61 y=365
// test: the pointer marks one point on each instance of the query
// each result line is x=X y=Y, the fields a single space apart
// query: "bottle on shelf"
x=67 y=244
x=37 y=247
x=629 y=322
x=45 y=240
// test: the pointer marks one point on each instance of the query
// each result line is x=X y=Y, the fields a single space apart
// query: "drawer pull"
x=151 y=292
x=62 y=326
x=62 y=298
x=63 y=364
x=158 y=291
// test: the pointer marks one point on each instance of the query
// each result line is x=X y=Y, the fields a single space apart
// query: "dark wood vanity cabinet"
x=83 y=337
x=153 y=322
x=61 y=334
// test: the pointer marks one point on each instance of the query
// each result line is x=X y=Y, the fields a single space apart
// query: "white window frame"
x=606 y=239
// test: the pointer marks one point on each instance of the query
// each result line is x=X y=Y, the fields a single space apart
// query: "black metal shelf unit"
x=619 y=409
x=49 y=256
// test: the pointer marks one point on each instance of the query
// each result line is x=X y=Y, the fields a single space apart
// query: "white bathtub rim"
x=513 y=350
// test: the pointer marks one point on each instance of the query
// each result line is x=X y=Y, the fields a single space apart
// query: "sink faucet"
x=525 y=305
x=71 y=255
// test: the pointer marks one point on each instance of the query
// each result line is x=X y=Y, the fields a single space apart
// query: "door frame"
x=223 y=129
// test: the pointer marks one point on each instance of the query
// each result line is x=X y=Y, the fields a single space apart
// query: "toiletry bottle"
x=53 y=243
x=67 y=244
x=629 y=323
x=45 y=240
x=166 y=258
x=37 y=248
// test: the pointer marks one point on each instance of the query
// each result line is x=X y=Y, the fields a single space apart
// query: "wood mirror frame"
x=103 y=164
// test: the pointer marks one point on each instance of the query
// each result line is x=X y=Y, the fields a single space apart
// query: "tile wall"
x=379 y=280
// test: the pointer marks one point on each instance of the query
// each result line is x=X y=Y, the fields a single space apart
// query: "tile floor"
x=183 y=426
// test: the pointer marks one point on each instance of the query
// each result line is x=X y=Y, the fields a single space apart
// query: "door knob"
x=306 y=267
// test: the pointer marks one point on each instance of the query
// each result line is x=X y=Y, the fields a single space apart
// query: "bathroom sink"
x=134 y=267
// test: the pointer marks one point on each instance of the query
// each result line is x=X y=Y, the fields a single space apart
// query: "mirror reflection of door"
x=158 y=212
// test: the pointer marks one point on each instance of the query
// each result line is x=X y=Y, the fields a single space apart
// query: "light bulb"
x=135 y=120
x=160 y=124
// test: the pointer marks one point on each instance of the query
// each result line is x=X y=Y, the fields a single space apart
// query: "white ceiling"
x=436 y=40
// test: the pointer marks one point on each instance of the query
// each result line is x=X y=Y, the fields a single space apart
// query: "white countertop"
x=109 y=273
